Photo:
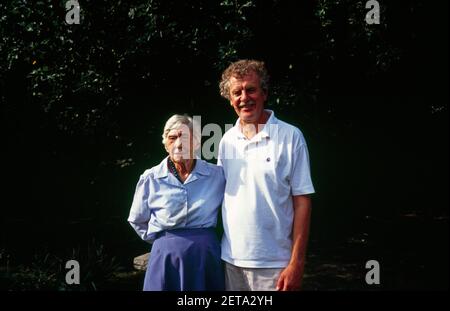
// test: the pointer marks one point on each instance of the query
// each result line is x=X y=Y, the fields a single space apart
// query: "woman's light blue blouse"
x=162 y=202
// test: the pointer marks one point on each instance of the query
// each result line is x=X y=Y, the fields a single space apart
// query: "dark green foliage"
x=83 y=107
x=80 y=74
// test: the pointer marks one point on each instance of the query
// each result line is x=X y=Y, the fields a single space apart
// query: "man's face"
x=247 y=98
x=179 y=144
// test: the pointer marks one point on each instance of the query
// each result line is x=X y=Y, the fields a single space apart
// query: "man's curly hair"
x=240 y=69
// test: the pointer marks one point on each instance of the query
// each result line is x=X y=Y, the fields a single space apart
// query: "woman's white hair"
x=176 y=121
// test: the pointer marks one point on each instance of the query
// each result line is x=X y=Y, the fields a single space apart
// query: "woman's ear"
x=165 y=147
x=196 y=146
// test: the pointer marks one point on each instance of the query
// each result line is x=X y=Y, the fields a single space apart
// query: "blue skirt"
x=185 y=260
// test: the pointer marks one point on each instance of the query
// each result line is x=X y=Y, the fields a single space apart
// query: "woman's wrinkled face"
x=179 y=144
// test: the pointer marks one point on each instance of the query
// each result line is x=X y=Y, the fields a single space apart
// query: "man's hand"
x=291 y=278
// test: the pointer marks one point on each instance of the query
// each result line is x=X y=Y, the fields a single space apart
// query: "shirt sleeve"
x=301 y=182
x=219 y=154
x=140 y=212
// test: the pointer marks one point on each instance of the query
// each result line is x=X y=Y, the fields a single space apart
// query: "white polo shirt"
x=262 y=174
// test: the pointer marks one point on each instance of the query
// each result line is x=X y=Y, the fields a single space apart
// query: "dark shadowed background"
x=83 y=107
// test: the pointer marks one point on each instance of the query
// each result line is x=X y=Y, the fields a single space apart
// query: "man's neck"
x=251 y=129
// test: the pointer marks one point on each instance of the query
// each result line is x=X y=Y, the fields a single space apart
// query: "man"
x=266 y=208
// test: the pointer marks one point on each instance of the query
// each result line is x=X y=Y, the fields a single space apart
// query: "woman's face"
x=179 y=144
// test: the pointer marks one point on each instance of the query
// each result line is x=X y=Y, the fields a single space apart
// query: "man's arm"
x=291 y=277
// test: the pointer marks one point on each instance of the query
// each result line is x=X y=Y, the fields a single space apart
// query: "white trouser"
x=250 y=279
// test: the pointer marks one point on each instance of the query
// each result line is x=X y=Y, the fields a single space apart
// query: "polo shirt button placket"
x=185 y=205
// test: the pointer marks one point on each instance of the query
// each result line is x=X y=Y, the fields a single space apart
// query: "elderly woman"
x=175 y=207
